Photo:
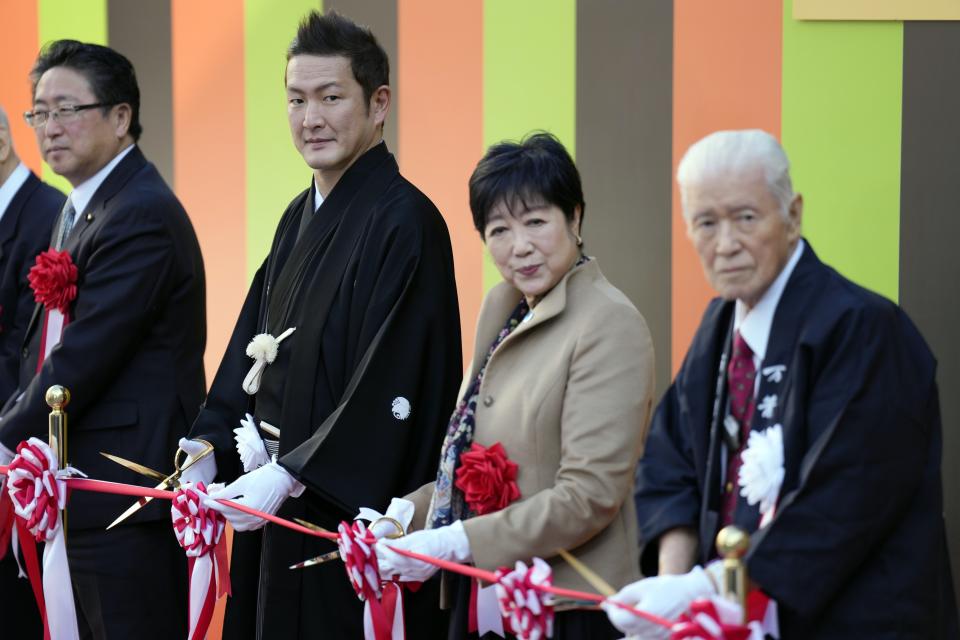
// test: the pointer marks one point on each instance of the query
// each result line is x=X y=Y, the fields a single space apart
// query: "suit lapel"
x=118 y=178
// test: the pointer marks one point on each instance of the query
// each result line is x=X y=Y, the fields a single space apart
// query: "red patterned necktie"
x=741 y=373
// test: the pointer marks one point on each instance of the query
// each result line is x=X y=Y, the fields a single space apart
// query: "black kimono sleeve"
x=868 y=406
x=667 y=492
x=227 y=402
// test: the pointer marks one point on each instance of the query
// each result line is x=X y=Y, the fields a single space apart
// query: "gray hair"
x=4 y=121
x=738 y=151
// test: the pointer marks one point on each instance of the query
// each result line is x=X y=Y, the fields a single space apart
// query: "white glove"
x=263 y=489
x=664 y=596
x=446 y=543
x=381 y=524
x=203 y=471
x=250 y=445
x=6 y=457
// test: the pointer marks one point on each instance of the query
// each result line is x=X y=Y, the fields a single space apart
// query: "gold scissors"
x=171 y=481
x=335 y=555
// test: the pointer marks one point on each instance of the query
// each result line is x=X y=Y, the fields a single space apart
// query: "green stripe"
x=529 y=75
x=84 y=20
x=842 y=103
x=275 y=170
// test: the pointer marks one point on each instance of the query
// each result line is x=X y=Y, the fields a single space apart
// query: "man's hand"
x=203 y=471
x=263 y=489
x=664 y=596
x=446 y=543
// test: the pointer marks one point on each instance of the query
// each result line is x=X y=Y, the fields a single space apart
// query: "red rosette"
x=712 y=619
x=197 y=528
x=524 y=608
x=487 y=478
x=33 y=488
x=356 y=544
x=54 y=280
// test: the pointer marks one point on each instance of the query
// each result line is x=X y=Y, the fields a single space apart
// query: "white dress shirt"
x=82 y=194
x=754 y=324
x=9 y=188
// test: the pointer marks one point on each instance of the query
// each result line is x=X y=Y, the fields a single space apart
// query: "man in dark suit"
x=28 y=209
x=806 y=412
x=128 y=343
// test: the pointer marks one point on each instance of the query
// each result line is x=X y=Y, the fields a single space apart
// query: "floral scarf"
x=447 y=505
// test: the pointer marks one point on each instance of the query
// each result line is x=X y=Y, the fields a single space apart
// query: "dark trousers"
x=16 y=597
x=129 y=582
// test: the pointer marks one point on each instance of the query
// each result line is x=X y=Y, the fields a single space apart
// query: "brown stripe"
x=624 y=120
x=141 y=31
x=929 y=225
x=381 y=17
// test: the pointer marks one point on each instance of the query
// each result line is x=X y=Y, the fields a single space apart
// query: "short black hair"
x=331 y=34
x=110 y=74
x=537 y=170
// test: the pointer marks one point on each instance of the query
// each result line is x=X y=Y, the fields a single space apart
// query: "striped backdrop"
x=867 y=110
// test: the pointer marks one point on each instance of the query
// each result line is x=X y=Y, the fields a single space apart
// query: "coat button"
x=25 y=353
x=487 y=401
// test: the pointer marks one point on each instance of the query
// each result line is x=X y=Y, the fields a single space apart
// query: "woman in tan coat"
x=561 y=385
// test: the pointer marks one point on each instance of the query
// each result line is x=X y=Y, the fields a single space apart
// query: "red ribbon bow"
x=54 y=280
x=487 y=478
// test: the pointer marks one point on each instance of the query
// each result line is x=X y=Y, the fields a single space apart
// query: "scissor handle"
x=179 y=467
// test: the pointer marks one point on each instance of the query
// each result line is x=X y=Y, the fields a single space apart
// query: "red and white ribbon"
x=383 y=601
x=523 y=606
x=715 y=619
x=200 y=532
x=37 y=489
x=54 y=282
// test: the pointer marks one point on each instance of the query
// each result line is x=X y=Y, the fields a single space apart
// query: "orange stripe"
x=18 y=49
x=440 y=68
x=209 y=152
x=726 y=75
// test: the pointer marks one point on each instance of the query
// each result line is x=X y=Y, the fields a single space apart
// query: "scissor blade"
x=327 y=557
x=140 y=503
x=133 y=466
x=310 y=525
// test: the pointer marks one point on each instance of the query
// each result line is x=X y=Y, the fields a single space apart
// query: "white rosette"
x=250 y=446
x=761 y=473
x=263 y=348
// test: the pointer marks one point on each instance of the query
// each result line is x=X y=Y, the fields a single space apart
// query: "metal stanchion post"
x=733 y=543
x=57 y=398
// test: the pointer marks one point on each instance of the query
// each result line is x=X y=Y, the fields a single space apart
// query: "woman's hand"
x=446 y=543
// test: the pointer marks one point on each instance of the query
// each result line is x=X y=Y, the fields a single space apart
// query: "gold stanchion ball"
x=57 y=397
x=733 y=542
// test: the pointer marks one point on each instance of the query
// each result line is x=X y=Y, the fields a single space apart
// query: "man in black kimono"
x=353 y=381
x=805 y=412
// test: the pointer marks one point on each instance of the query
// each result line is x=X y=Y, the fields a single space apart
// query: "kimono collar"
x=754 y=324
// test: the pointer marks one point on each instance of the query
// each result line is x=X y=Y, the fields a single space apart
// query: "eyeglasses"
x=63 y=115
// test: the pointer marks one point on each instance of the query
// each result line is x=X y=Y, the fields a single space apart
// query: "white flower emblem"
x=250 y=445
x=761 y=474
x=774 y=372
x=401 y=408
x=768 y=406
